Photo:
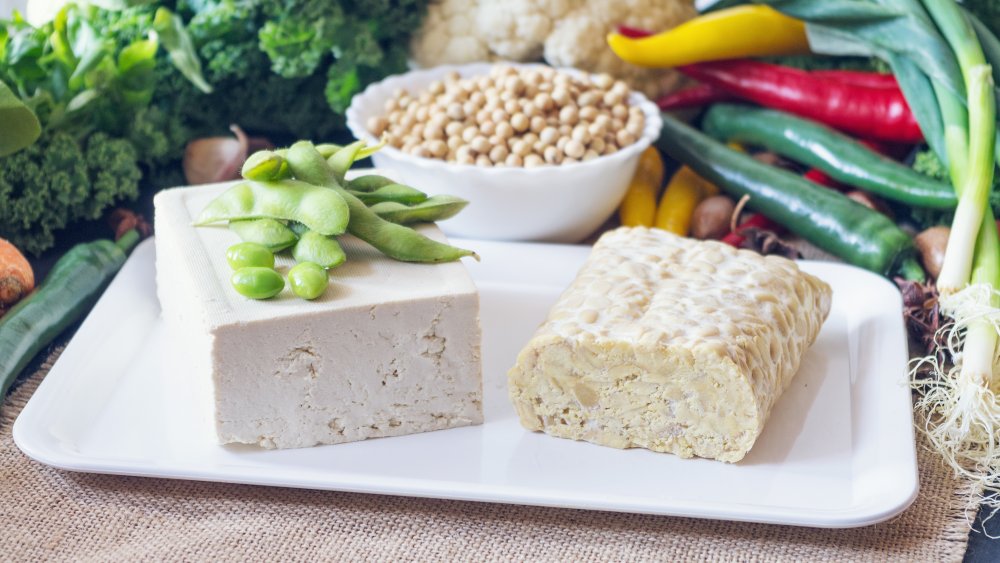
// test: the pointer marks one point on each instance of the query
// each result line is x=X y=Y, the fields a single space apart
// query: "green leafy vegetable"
x=57 y=181
x=20 y=124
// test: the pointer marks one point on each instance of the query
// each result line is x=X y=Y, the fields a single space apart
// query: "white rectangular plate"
x=838 y=450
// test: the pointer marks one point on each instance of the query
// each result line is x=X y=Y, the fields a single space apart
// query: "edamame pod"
x=395 y=241
x=435 y=208
x=342 y=160
x=393 y=192
x=368 y=183
x=314 y=247
x=269 y=232
x=318 y=208
x=265 y=166
x=257 y=283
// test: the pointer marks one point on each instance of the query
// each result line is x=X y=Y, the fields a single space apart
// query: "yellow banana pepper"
x=733 y=33
x=638 y=208
x=684 y=192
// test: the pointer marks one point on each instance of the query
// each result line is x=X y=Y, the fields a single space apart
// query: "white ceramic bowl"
x=563 y=203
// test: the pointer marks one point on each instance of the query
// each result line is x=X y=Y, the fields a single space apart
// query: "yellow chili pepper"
x=733 y=33
x=684 y=192
x=638 y=208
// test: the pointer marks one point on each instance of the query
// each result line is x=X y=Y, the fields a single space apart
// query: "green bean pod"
x=398 y=193
x=273 y=234
x=314 y=247
x=824 y=217
x=435 y=208
x=395 y=241
x=836 y=154
x=318 y=208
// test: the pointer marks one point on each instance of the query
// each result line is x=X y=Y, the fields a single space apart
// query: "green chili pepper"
x=395 y=241
x=68 y=292
x=824 y=217
x=320 y=209
x=818 y=146
x=314 y=247
x=435 y=208
x=273 y=234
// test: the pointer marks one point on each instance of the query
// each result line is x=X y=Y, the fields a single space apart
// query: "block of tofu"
x=670 y=344
x=391 y=348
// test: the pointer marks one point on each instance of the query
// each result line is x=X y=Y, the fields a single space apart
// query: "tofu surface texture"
x=670 y=344
x=391 y=348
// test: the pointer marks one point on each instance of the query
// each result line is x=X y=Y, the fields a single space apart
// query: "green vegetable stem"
x=395 y=241
x=320 y=209
x=836 y=154
x=68 y=292
x=826 y=218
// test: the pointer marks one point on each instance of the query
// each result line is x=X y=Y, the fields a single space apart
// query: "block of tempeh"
x=670 y=344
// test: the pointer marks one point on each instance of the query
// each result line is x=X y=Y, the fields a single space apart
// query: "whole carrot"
x=17 y=279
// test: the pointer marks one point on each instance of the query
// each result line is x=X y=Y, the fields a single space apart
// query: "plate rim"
x=857 y=515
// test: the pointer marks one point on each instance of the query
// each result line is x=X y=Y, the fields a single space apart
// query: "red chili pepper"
x=693 y=97
x=858 y=78
x=818 y=176
x=756 y=221
x=876 y=113
x=633 y=32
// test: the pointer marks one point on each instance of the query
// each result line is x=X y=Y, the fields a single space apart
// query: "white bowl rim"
x=651 y=130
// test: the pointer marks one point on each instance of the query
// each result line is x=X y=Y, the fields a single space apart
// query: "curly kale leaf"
x=927 y=163
x=58 y=181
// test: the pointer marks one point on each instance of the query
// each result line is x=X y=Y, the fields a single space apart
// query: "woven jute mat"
x=48 y=514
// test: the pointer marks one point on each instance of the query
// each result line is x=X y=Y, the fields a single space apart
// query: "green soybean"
x=398 y=193
x=298 y=228
x=395 y=241
x=314 y=247
x=257 y=282
x=265 y=166
x=320 y=209
x=246 y=254
x=273 y=234
x=435 y=208
x=308 y=280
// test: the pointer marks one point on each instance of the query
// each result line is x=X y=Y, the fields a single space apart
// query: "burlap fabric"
x=48 y=514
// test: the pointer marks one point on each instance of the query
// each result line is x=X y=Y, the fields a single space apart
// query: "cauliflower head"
x=449 y=35
x=569 y=33
x=578 y=39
